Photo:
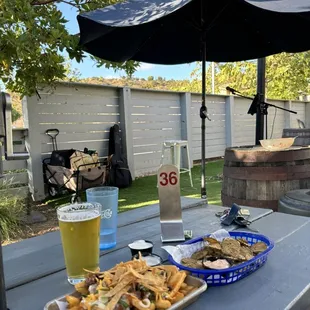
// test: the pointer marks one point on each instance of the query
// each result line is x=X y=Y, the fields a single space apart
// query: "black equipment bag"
x=61 y=158
x=118 y=170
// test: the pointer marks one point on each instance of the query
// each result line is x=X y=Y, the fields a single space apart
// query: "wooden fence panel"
x=156 y=116
x=84 y=114
x=300 y=108
x=275 y=120
x=215 y=129
x=244 y=123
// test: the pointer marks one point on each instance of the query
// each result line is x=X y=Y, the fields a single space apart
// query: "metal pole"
x=2 y=285
x=213 y=77
x=203 y=115
x=261 y=71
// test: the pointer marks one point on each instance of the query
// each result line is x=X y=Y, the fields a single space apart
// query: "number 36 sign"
x=166 y=178
x=170 y=203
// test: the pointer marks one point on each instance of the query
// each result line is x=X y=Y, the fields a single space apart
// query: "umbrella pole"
x=261 y=69
x=203 y=115
x=2 y=285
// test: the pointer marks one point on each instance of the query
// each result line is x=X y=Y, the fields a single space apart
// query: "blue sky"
x=87 y=68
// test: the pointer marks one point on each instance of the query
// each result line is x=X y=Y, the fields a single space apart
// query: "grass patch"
x=11 y=208
x=144 y=192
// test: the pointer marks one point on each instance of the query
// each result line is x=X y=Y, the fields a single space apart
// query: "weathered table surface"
x=35 y=270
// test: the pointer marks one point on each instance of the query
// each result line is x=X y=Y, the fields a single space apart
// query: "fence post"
x=307 y=114
x=126 y=127
x=33 y=146
x=186 y=126
x=288 y=116
x=229 y=121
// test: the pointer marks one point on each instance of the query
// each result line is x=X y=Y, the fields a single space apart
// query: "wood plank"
x=78 y=127
x=100 y=146
x=147 y=157
x=274 y=291
x=18 y=191
x=15 y=178
x=76 y=118
x=201 y=220
x=151 y=96
x=147 y=149
x=156 y=133
x=218 y=107
x=19 y=148
x=155 y=117
x=14 y=165
x=153 y=140
x=216 y=117
x=245 y=135
x=176 y=125
x=95 y=105
x=211 y=148
x=160 y=102
x=268 y=173
x=210 y=131
x=218 y=99
x=157 y=110
x=209 y=154
x=210 y=142
x=102 y=135
x=28 y=252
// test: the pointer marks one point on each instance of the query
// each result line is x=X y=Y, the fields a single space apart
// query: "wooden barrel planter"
x=258 y=178
x=302 y=134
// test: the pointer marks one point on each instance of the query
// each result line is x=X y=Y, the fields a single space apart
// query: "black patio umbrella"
x=182 y=31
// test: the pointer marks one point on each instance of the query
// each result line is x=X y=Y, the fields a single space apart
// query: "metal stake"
x=2 y=284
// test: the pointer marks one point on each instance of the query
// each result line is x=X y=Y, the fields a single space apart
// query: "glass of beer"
x=79 y=225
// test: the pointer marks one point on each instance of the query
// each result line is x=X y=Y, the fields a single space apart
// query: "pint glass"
x=80 y=234
x=107 y=197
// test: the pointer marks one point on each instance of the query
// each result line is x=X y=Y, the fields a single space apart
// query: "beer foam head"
x=78 y=212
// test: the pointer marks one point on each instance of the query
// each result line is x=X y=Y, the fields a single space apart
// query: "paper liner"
x=186 y=250
x=61 y=305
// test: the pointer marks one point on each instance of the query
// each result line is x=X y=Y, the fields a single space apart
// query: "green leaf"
x=34 y=40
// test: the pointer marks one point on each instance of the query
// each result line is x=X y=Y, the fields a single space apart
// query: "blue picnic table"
x=35 y=269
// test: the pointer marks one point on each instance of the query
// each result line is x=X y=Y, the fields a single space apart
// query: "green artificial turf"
x=144 y=192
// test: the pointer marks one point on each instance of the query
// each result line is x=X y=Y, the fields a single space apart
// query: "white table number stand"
x=168 y=178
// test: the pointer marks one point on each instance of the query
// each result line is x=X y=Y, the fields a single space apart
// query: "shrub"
x=11 y=208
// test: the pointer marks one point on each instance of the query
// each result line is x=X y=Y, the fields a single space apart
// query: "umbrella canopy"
x=170 y=32
x=183 y=31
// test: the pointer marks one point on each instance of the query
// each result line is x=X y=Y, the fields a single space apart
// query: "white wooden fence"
x=15 y=178
x=84 y=114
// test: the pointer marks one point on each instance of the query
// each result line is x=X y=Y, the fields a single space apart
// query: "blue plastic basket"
x=233 y=274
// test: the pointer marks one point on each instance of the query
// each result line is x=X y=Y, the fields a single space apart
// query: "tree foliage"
x=287 y=75
x=34 y=42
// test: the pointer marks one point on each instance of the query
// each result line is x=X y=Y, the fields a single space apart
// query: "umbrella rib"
x=145 y=42
x=216 y=17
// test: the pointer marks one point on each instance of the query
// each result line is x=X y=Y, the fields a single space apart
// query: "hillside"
x=149 y=83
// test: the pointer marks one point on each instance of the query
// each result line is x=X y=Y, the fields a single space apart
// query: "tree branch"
x=44 y=2
x=70 y=3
